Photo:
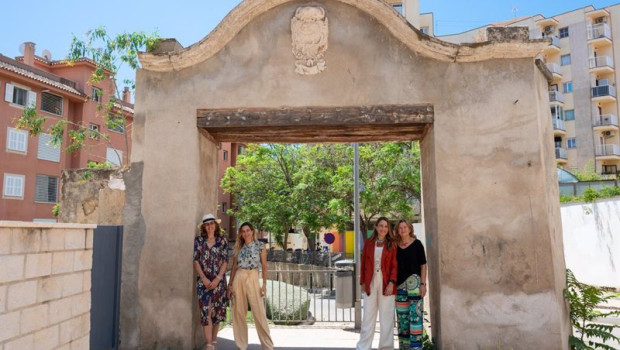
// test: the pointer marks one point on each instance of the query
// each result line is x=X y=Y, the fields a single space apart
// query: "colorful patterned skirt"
x=410 y=314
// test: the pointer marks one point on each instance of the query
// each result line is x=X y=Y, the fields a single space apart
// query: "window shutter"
x=32 y=99
x=46 y=189
x=17 y=140
x=47 y=151
x=8 y=94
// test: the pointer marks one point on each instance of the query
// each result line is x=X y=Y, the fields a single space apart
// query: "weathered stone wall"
x=94 y=196
x=45 y=278
x=489 y=198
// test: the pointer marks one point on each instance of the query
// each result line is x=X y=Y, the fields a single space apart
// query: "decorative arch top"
x=397 y=25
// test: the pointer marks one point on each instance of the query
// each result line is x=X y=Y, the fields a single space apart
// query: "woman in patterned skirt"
x=210 y=263
x=411 y=290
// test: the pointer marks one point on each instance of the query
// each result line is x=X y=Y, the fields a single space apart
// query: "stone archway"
x=489 y=189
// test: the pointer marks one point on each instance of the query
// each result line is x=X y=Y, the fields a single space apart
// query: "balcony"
x=558 y=127
x=561 y=156
x=605 y=122
x=604 y=152
x=554 y=47
x=555 y=70
x=556 y=97
x=603 y=93
x=599 y=35
x=601 y=65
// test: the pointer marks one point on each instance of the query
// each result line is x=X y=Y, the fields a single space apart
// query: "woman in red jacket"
x=378 y=279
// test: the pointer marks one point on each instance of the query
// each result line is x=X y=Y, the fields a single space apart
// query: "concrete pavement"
x=324 y=336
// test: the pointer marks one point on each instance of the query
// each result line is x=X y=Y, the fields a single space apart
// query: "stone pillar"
x=492 y=215
x=172 y=183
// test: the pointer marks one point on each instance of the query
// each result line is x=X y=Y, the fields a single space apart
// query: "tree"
x=108 y=54
x=311 y=186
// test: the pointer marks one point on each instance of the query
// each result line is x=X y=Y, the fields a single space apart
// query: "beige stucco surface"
x=489 y=191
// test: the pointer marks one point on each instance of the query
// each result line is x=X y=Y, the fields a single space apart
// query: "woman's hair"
x=389 y=237
x=240 y=241
x=203 y=230
x=411 y=234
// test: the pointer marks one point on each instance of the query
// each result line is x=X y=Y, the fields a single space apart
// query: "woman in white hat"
x=210 y=263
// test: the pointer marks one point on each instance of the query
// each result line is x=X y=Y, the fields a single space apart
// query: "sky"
x=52 y=24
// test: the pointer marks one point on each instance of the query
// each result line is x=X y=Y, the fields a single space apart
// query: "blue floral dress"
x=211 y=260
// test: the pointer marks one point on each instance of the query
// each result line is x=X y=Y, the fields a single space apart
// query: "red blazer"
x=388 y=266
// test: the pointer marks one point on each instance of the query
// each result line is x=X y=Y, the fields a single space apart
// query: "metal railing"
x=607 y=150
x=600 y=30
x=561 y=153
x=558 y=124
x=297 y=296
x=601 y=61
x=605 y=120
x=556 y=96
x=603 y=90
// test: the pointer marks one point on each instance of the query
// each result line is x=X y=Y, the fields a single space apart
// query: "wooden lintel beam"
x=315 y=116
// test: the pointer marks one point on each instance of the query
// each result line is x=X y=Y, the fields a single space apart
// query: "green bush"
x=608 y=192
x=56 y=209
x=284 y=305
x=590 y=194
x=583 y=301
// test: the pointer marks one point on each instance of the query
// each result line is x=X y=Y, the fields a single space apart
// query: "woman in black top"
x=411 y=289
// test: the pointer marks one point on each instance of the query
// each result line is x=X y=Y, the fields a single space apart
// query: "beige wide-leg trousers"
x=247 y=290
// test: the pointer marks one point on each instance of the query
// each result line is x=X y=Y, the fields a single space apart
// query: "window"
x=571 y=142
x=17 y=140
x=398 y=7
x=46 y=150
x=19 y=95
x=567 y=87
x=46 y=190
x=557 y=112
x=115 y=123
x=114 y=156
x=563 y=32
x=565 y=60
x=95 y=94
x=51 y=103
x=93 y=131
x=569 y=114
x=609 y=169
x=225 y=155
x=13 y=186
x=224 y=207
x=240 y=149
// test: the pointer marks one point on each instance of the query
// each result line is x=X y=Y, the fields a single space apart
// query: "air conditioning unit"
x=548 y=29
x=600 y=20
x=608 y=133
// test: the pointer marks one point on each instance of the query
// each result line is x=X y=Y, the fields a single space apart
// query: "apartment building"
x=582 y=58
x=30 y=166
x=227 y=158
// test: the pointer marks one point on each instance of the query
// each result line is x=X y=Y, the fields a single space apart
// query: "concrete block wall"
x=45 y=278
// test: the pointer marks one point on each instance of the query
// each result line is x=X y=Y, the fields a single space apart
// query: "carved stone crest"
x=309 y=33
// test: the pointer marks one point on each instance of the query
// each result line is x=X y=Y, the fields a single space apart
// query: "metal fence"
x=577 y=188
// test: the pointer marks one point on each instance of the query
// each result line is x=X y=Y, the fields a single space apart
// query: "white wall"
x=592 y=241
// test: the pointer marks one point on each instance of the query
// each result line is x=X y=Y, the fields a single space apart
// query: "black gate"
x=106 y=287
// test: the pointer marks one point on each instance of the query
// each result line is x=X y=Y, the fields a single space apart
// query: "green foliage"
x=286 y=303
x=583 y=300
x=108 y=53
x=588 y=172
x=427 y=342
x=95 y=165
x=311 y=186
x=56 y=209
x=591 y=194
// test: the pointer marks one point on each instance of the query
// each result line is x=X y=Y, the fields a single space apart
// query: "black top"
x=410 y=261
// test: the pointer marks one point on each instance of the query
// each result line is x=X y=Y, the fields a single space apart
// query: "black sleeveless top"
x=410 y=261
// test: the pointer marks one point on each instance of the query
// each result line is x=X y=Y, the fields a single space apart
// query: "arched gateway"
x=353 y=70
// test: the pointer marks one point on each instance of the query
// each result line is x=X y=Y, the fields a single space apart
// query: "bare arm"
x=201 y=274
x=233 y=270
x=263 y=260
x=423 y=280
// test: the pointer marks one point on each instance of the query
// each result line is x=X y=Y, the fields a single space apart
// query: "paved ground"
x=318 y=336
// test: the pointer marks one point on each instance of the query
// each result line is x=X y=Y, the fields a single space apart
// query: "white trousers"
x=374 y=302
